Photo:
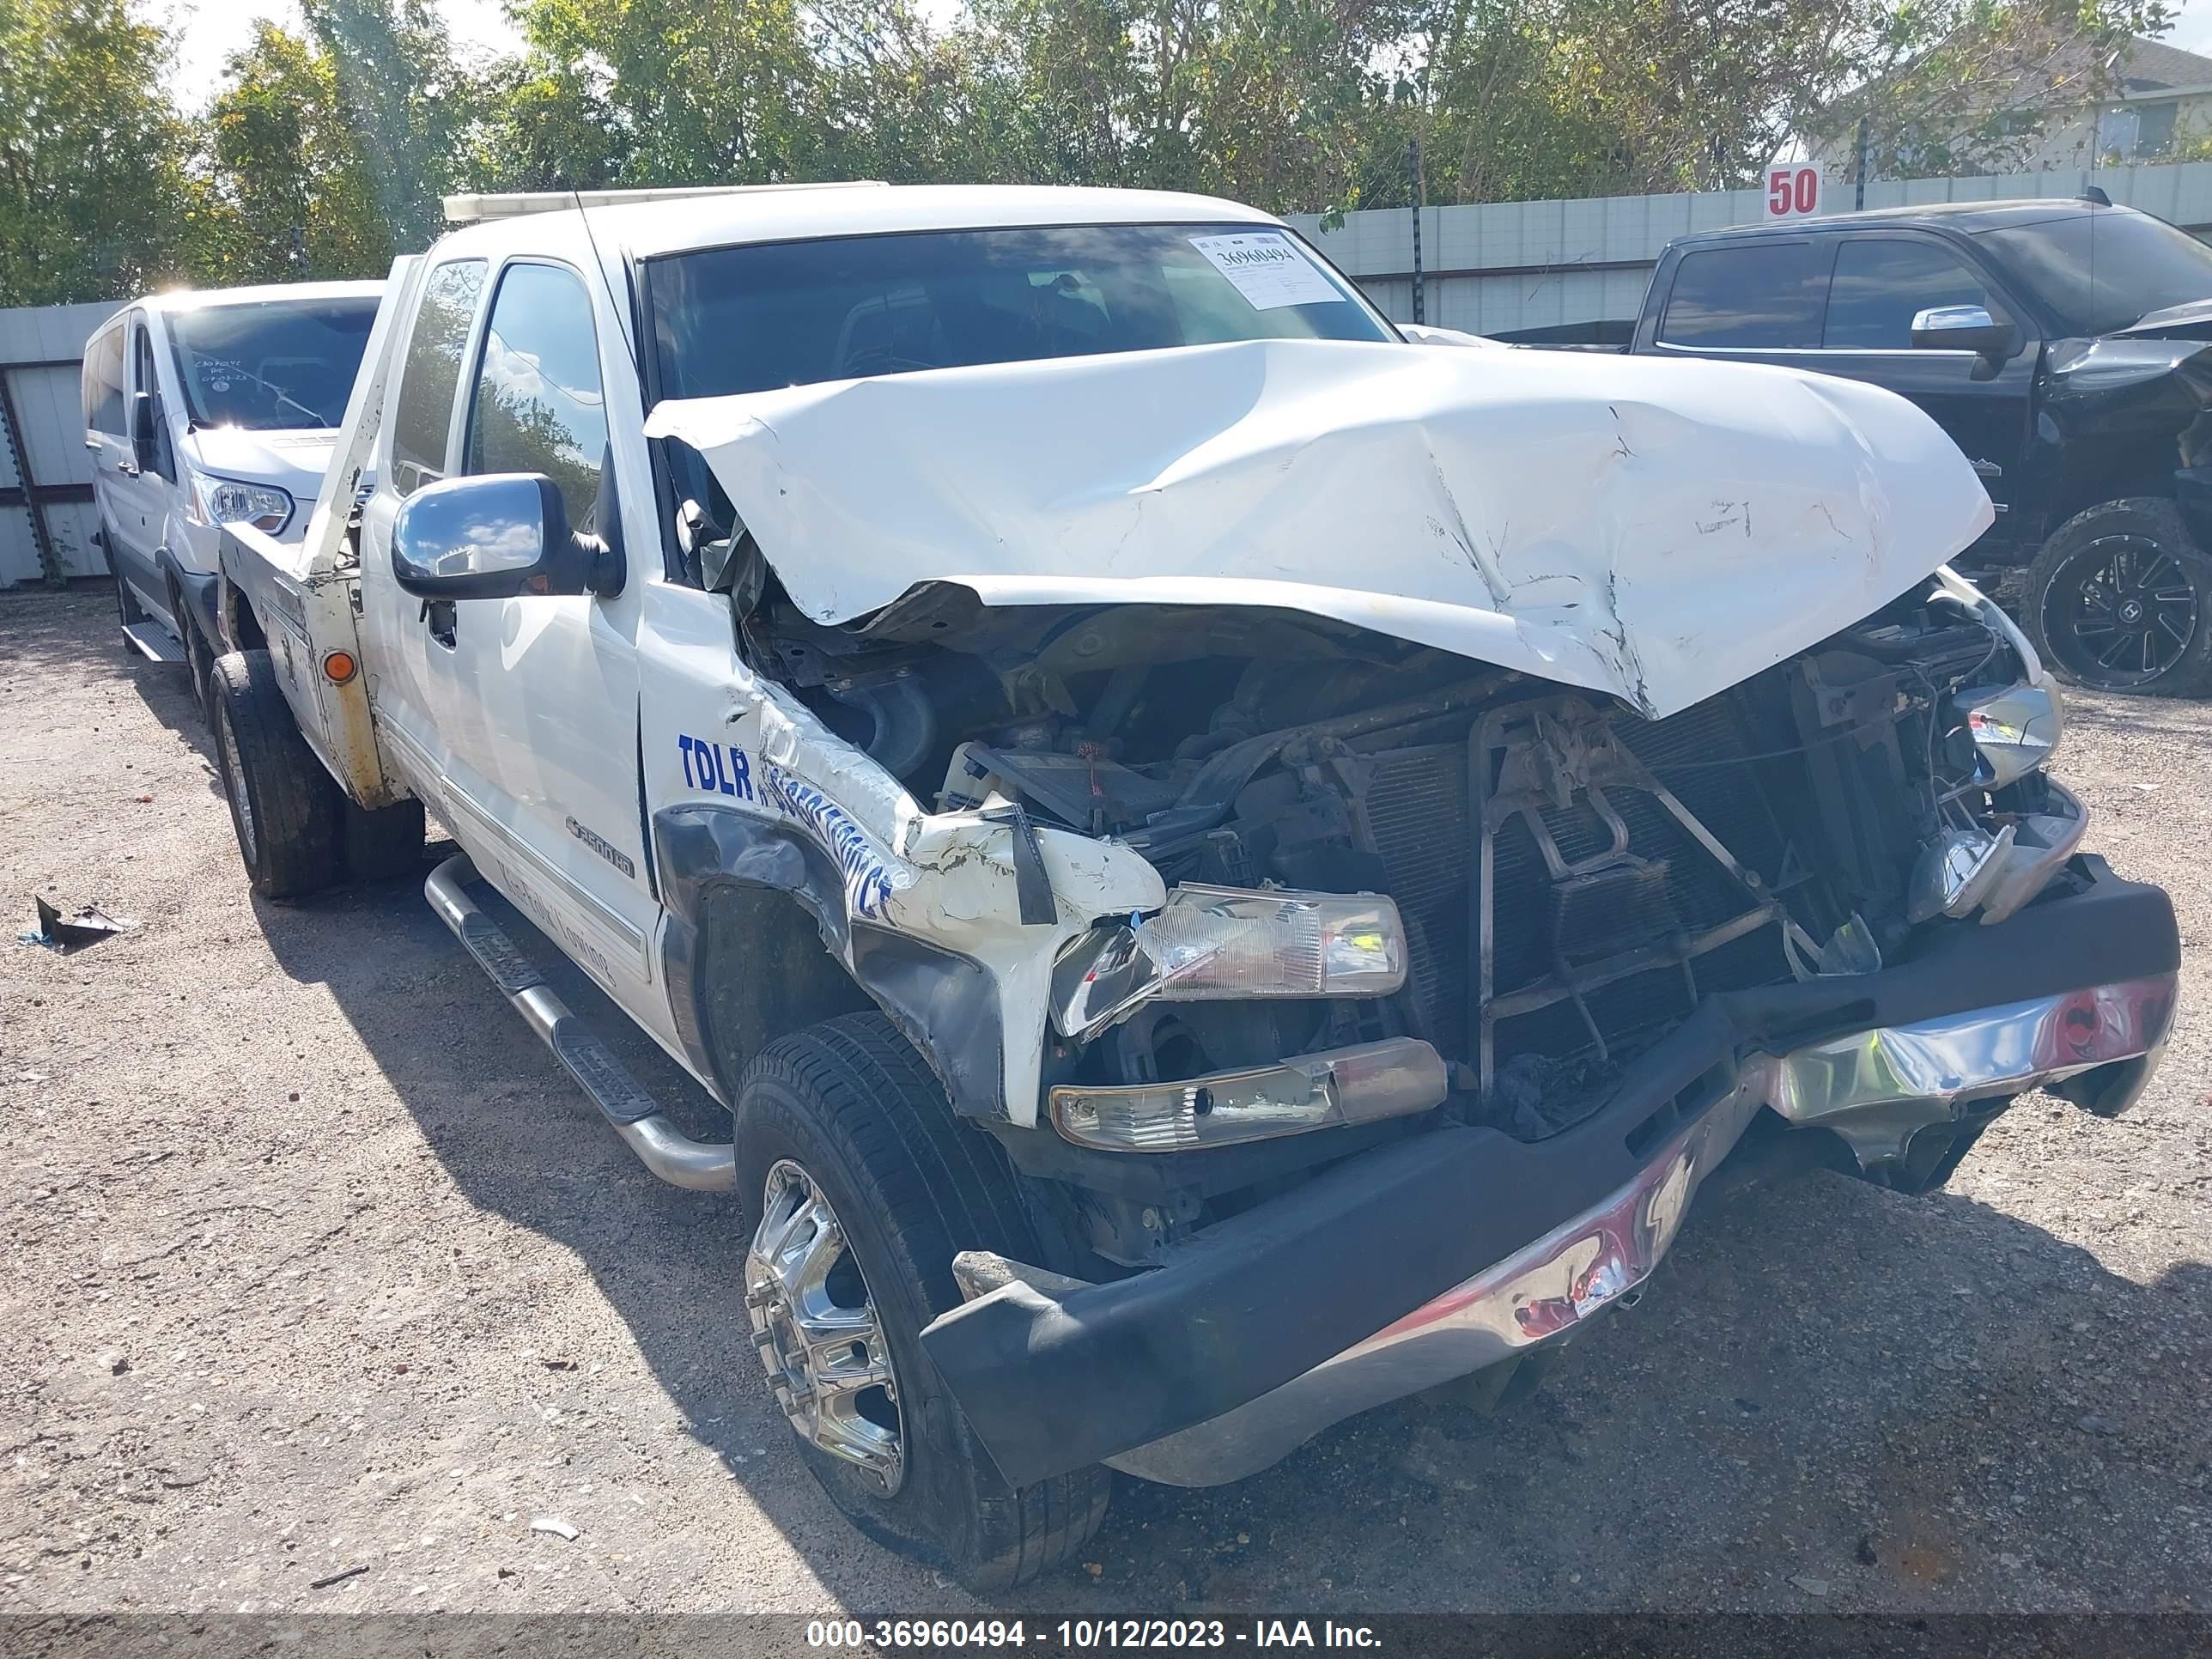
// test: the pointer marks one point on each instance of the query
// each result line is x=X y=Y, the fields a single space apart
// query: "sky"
x=208 y=30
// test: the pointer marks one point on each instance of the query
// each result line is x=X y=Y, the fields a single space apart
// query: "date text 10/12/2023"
x=1086 y=1635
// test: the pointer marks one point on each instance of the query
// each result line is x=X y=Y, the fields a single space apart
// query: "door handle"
x=439 y=616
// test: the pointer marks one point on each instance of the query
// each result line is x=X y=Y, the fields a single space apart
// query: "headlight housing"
x=1393 y=1078
x=2015 y=729
x=1210 y=944
x=227 y=500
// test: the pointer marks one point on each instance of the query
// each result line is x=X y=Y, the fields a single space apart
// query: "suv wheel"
x=2120 y=600
x=283 y=806
x=865 y=1185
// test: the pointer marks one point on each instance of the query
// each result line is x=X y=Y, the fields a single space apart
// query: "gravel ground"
x=314 y=1260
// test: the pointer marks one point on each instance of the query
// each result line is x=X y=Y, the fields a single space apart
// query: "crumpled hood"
x=1654 y=528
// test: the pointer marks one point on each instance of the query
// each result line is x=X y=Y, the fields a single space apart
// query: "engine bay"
x=1572 y=877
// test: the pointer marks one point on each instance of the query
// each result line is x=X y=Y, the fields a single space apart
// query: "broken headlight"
x=2014 y=730
x=1215 y=943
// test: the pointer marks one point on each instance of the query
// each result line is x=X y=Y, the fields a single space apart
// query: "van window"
x=1761 y=296
x=163 y=462
x=103 y=384
x=1881 y=282
x=432 y=374
x=537 y=406
x=272 y=365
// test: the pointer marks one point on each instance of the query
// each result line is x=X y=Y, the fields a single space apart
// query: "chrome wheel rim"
x=818 y=1332
x=234 y=776
x=2121 y=611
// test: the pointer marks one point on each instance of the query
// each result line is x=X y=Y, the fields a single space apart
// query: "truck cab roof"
x=1964 y=218
x=658 y=224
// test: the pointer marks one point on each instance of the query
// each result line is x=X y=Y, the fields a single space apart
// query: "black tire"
x=852 y=1104
x=384 y=843
x=2120 y=600
x=284 y=807
x=200 y=655
x=128 y=611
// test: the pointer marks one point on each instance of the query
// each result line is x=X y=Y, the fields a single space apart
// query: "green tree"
x=92 y=181
x=282 y=159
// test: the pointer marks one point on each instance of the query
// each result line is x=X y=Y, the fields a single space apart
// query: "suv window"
x=537 y=406
x=103 y=384
x=1760 y=297
x=1880 y=284
x=424 y=411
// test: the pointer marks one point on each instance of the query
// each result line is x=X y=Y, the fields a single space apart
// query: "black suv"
x=2066 y=346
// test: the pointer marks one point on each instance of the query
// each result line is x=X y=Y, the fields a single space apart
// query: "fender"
x=944 y=1003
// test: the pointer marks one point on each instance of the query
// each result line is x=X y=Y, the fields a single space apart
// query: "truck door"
x=402 y=637
x=545 y=751
x=1843 y=304
x=1880 y=284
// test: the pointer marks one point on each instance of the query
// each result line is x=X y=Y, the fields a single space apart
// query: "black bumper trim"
x=1050 y=1384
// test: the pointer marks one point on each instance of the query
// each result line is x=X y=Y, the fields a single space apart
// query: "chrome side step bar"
x=702 y=1166
x=153 y=642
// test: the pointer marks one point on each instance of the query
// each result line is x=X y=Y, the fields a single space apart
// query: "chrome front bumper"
x=1874 y=1089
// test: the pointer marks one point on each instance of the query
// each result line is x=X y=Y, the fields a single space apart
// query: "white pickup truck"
x=1227 y=866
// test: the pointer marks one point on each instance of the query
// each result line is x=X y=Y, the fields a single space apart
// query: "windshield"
x=2106 y=268
x=749 y=319
x=271 y=364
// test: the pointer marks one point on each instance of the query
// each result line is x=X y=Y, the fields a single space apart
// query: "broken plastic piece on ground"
x=88 y=925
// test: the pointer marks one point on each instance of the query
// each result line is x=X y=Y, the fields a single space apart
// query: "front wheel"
x=2120 y=600
x=283 y=806
x=865 y=1186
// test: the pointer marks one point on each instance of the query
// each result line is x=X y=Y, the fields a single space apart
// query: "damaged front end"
x=1463 y=983
x=1379 y=961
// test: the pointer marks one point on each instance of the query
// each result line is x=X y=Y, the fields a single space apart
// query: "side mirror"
x=1964 y=328
x=498 y=536
x=145 y=439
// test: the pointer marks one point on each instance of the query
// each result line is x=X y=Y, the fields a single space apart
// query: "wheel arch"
x=240 y=627
x=759 y=943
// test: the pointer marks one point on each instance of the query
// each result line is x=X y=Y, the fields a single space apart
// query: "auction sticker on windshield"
x=1269 y=270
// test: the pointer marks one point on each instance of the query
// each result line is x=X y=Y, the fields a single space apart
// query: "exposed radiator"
x=1422 y=818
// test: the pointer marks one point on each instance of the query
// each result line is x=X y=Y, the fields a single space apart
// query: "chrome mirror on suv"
x=1964 y=328
x=497 y=536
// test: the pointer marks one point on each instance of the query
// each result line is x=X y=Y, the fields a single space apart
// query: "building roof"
x=2067 y=73
x=2153 y=66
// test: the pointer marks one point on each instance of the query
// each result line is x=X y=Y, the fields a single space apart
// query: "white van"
x=207 y=408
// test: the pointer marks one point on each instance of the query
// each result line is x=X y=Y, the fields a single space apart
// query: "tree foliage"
x=92 y=155
x=325 y=148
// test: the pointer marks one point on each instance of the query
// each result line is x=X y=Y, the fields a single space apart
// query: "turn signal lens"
x=1391 y=1078
x=339 y=667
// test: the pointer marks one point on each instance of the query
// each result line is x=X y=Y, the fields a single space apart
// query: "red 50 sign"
x=1793 y=190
